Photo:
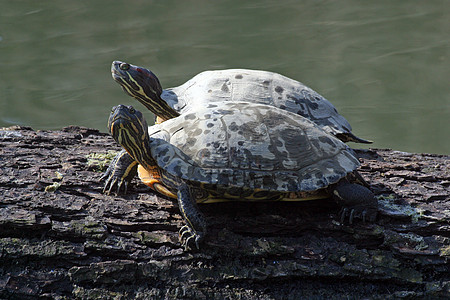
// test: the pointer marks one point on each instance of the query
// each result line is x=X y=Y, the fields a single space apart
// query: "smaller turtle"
x=236 y=85
x=241 y=151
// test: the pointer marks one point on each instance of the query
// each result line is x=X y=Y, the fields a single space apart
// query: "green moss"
x=147 y=237
x=445 y=251
x=106 y=272
x=59 y=176
x=100 y=161
x=52 y=187
x=89 y=228
x=410 y=275
x=414 y=239
x=394 y=209
x=387 y=197
x=16 y=247
x=270 y=247
x=57 y=184
x=381 y=260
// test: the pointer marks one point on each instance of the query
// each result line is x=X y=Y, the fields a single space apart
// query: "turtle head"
x=142 y=84
x=129 y=128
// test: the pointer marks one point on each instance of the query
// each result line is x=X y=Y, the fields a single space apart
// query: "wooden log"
x=61 y=237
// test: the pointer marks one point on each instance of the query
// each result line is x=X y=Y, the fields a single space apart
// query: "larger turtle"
x=241 y=151
x=239 y=85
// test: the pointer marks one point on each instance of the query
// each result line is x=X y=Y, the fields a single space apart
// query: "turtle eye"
x=132 y=110
x=124 y=66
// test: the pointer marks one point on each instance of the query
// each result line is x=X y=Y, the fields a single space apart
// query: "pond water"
x=384 y=64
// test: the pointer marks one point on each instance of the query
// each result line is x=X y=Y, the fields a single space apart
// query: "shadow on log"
x=60 y=237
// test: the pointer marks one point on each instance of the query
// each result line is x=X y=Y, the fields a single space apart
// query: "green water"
x=384 y=64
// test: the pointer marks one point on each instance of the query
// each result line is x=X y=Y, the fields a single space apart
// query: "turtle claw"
x=188 y=236
x=195 y=229
x=108 y=184
x=363 y=216
x=105 y=175
x=125 y=187
x=119 y=174
x=357 y=202
x=112 y=182
x=343 y=213
x=353 y=213
x=347 y=212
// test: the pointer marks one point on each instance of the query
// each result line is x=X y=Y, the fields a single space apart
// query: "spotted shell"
x=258 y=87
x=250 y=145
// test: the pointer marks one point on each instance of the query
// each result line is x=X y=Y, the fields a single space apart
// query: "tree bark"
x=61 y=237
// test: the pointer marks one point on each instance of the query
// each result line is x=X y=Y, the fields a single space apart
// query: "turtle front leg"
x=357 y=202
x=120 y=172
x=195 y=229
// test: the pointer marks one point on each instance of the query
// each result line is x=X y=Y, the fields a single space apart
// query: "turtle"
x=218 y=86
x=241 y=85
x=239 y=151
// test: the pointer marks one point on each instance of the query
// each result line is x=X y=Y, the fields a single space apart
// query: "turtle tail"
x=350 y=137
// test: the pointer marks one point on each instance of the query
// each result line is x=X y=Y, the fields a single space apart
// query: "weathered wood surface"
x=60 y=237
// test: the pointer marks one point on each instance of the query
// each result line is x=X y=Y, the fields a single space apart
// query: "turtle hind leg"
x=357 y=201
x=120 y=172
x=195 y=229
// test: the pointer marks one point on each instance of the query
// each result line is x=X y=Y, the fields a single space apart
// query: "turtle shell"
x=257 y=87
x=250 y=145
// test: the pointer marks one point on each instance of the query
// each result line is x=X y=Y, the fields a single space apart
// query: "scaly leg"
x=119 y=173
x=357 y=202
x=195 y=228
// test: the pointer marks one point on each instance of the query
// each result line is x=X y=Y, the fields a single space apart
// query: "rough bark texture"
x=61 y=237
